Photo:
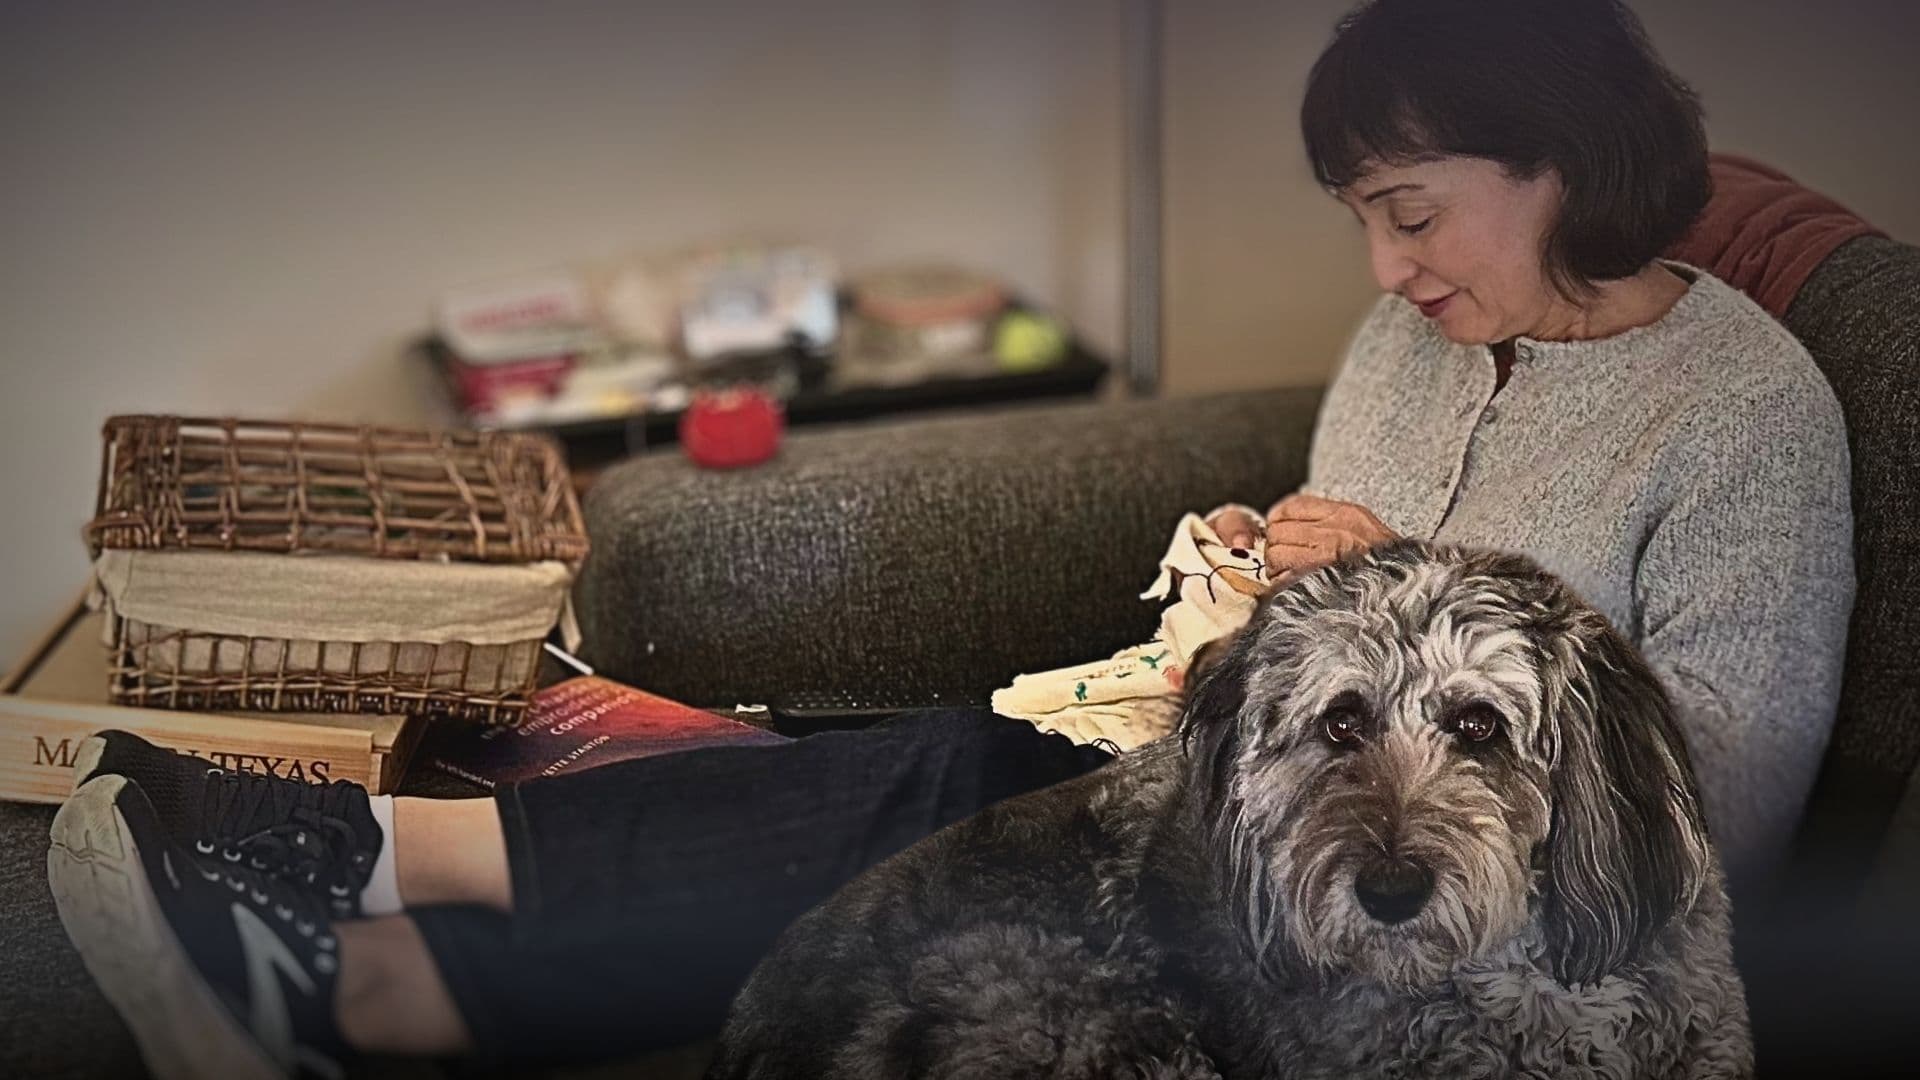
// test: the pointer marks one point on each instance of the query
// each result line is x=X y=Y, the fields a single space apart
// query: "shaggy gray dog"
x=1429 y=815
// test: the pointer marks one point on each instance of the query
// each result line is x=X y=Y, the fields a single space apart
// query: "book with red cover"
x=580 y=724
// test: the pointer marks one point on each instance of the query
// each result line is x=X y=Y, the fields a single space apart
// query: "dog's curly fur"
x=1429 y=815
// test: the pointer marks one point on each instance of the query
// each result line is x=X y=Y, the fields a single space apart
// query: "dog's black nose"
x=1393 y=890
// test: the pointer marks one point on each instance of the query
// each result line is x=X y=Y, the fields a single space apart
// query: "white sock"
x=382 y=894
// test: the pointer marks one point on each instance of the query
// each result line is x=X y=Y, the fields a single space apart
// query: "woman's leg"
x=391 y=998
x=450 y=851
x=711 y=820
x=763 y=831
x=645 y=891
x=642 y=894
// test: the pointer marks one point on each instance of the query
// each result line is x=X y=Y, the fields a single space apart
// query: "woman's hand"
x=1306 y=532
x=1237 y=527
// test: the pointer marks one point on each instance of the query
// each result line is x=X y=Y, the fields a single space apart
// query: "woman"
x=1535 y=378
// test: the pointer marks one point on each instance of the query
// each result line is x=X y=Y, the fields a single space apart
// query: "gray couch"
x=926 y=563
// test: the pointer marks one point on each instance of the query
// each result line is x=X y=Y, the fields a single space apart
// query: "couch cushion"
x=53 y=1019
x=927 y=562
x=1859 y=315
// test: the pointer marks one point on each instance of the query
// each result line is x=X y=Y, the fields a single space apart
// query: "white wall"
x=247 y=208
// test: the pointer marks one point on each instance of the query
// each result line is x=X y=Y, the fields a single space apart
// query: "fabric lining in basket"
x=336 y=597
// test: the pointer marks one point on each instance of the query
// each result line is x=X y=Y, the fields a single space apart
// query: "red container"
x=732 y=428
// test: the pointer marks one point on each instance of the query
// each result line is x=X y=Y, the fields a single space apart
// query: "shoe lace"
x=301 y=916
x=287 y=830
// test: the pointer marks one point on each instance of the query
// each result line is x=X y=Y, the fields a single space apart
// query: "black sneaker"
x=218 y=969
x=322 y=836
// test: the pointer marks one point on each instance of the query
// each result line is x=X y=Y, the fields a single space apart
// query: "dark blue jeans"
x=645 y=891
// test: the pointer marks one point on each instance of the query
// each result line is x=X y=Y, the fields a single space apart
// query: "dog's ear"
x=1214 y=736
x=1208 y=656
x=1627 y=845
x=1216 y=685
x=1216 y=691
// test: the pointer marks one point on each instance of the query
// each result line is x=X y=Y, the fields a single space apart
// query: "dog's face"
x=1417 y=757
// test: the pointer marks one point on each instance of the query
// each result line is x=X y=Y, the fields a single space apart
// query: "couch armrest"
x=1857 y=317
x=925 y=562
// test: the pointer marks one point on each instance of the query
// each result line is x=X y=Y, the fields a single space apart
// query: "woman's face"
x=1464 y=242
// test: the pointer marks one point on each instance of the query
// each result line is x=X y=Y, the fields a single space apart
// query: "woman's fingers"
x=1346 y=517
x=1322 y=541
x=1297 y=548
x=1303 y=533
x=1236 y=528
x=1301 y=506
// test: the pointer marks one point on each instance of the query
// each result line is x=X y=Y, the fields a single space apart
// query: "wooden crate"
x=58 y=696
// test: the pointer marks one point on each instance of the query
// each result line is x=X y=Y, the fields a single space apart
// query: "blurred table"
x=594 y=443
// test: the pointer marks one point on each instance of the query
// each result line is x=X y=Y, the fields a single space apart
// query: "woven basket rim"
x=292 y=486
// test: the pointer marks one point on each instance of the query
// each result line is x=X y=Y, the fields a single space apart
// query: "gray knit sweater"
x=1689 y=478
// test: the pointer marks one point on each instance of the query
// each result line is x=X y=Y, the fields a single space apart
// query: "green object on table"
x=1026 y=341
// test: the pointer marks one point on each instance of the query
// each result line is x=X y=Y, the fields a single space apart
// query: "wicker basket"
x=349 y=493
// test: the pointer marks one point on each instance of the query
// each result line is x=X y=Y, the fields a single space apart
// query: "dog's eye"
x=1344 y=727
x=1477 y=723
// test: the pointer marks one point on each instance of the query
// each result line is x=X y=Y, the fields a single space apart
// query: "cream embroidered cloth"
x=1132 y=698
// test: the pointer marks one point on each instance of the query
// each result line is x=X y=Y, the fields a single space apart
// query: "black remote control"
x=806 y=713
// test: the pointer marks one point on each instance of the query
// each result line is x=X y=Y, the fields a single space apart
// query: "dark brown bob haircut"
x=1568 y=85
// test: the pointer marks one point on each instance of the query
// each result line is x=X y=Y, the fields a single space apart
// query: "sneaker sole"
x=113 y=918
x=86 y=759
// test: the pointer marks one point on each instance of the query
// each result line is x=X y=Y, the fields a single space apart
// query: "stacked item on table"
x=548 y=349
x=558 y=348
x=534 y=350
x=914 y=322
x=727 y=302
